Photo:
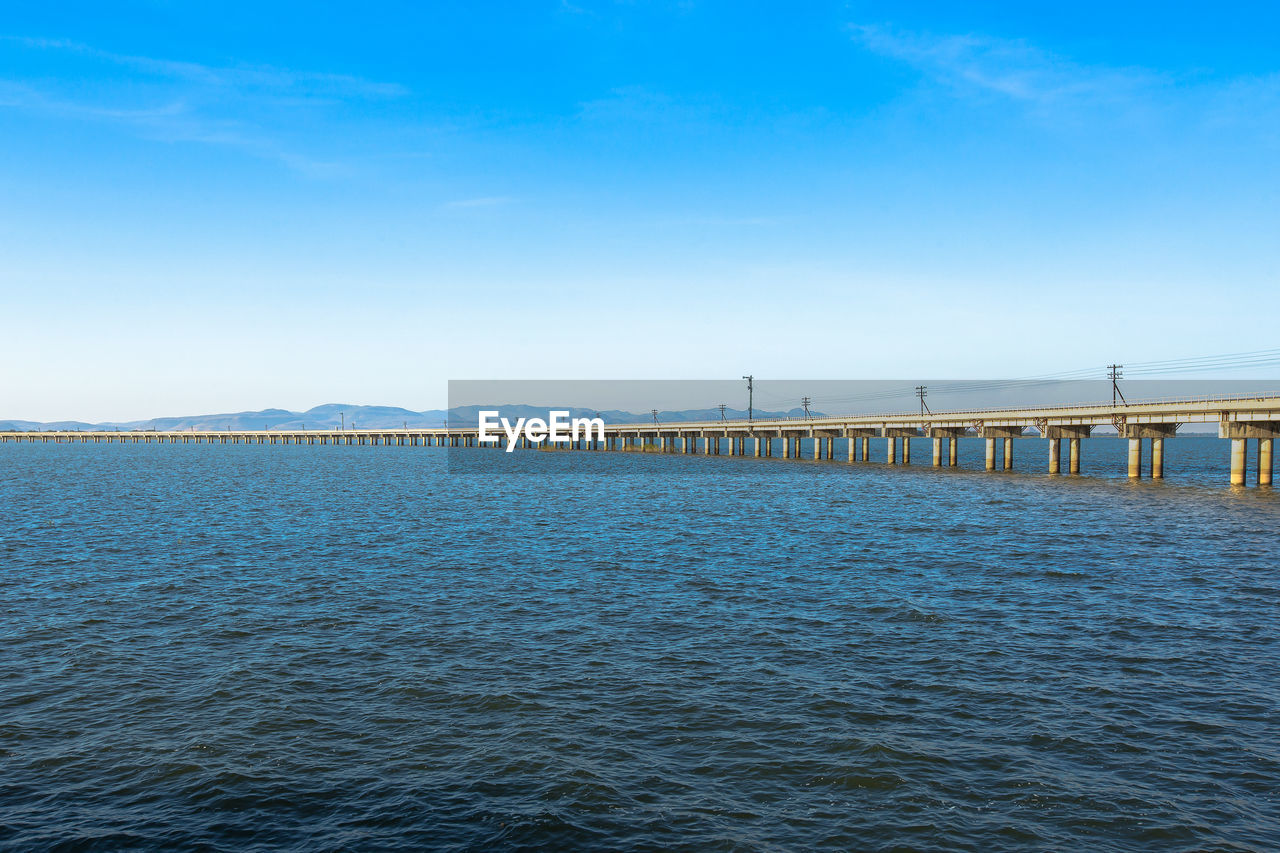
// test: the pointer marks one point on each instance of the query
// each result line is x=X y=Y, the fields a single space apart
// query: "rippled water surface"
x=328 y=647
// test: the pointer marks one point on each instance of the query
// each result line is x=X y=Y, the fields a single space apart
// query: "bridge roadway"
x=1240 y=419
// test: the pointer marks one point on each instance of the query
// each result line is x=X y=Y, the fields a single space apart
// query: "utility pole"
x=750 y=390
x=922 y=391
x=654 y=412
x=1114 y=372
x=344 y=420
x=804 y=401
x=722 y=408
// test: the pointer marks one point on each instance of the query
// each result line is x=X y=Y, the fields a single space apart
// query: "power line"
x=1114 y=373
x=750 y=393
x=1198 y=364
x=804 y=401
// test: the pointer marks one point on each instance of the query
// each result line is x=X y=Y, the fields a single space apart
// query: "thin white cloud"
x=482 y=201
x=723 y=221
x=191 y=101
x=1057 y=89
x=1013 y=69
x=238 y=77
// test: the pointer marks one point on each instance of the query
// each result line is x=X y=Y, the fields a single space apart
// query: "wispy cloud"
x=722 y=221
x=1013 y=69
x=1057 y=89
x=246 y=107
x=244 y=77
x=649 y=106
x=482 y=201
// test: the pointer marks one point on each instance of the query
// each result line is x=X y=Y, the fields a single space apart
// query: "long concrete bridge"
x=1145 y=425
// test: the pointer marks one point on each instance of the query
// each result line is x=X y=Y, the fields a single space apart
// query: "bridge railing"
x=915 y=415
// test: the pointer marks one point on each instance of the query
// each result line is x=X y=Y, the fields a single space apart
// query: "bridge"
x=1144 y=424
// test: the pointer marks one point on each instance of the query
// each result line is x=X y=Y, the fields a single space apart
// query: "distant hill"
x=335 y=415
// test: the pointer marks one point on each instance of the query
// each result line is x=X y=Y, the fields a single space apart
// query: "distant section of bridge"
x=1144 y=424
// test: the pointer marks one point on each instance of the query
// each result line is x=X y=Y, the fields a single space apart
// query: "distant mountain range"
x=335 y=415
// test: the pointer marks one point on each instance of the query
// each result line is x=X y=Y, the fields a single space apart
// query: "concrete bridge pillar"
x=954 y=452
x=1157 y=458
x=1238 y=453
x=786 y=447
x=866 y=448
x=906 y=450
x=1008 y=454
x=1135 y=458
x=817 y=447
x=991 y=454
x=937 y=453
x=891 y=451
x=1055 y=456
x=1074 y=454
x=1264 y=461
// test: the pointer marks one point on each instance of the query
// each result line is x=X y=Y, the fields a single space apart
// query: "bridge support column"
x=1073 y=464
x=906 y=450
x=954 y=452
x=1055 y=456
x=1238 y=452
x=991 y=454
x=817 y=447
x=891 y=451
x=786 y=447
x=1135 y=458
x=937 y=453
x=1264 y=461
x=1157 y=458
x=1008 y=454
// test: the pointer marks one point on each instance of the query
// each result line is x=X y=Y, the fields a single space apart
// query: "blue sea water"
x=243 y=648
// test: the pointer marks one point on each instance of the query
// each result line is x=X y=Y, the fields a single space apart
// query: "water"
x=241 y=648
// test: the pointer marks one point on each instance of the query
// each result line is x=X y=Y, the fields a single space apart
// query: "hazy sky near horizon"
x=221 y=207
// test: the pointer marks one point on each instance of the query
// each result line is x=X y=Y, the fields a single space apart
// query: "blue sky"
x=216 y=207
